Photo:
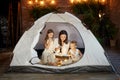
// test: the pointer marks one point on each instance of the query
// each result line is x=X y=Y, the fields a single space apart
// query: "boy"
x=74 y=52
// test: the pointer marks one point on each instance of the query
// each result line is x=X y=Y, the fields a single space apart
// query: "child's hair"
x=49 y=31
x=73 y=42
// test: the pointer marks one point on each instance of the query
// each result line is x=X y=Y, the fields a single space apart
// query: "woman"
x=62 y=45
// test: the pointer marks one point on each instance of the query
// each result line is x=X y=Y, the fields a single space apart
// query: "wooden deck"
x=113 y=56
x=5 y=59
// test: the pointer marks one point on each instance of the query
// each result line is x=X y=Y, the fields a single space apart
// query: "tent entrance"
x=73 y=34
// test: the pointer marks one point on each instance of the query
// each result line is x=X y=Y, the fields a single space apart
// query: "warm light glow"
x=71 y=1
x=36 y=1
x=59 y=63
x=96 y=0
x=102 y=1
x=79 y=1
x=42 y=3
x=53 y=2
x=30 y=2
x=85 y=0
x=65 y=60
x=100 y=15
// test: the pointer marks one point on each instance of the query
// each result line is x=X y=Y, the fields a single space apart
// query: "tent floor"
x=113 y=54
x=39 y=51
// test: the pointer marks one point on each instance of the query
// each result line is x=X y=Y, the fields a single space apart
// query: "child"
x=73 y=52
x=49 y=47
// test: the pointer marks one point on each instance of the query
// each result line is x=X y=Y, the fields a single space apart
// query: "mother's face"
x=63 y=37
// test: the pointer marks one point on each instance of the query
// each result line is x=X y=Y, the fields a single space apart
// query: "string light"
x=85 y=0
x=102 y=1
x=71 y=1
x=42 y=3
x=30 y=2
x=53 y=2
x=79 y=1
x=36 y=1
x=96 y=0
x=99 y=15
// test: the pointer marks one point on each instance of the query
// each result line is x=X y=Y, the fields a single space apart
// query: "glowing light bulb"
x=79 y=1
x=103 y=1
x=42 y=3
x=30 y=2
x=71 y=1
x=96 y=0
x=36 y=1
x=85 y=0
x=53 y=2
x=100 y=15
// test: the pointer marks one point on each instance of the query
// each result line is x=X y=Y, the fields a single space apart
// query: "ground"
x=112 y=53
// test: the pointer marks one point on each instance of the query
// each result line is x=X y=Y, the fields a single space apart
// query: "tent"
x=94 y=58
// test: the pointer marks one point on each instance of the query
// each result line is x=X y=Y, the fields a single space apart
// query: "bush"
x=38 y=11
x=102 y=27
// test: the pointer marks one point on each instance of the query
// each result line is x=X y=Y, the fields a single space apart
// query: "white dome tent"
x=92 y=60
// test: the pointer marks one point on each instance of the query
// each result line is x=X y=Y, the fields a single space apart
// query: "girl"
x=49 y=47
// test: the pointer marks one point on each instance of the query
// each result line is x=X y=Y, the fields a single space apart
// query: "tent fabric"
x=79 y=69
x=73 y=33
x=24 y=50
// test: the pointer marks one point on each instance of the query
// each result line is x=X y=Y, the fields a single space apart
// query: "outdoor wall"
x=27 y=21
x=114 y=6
x=115 y=16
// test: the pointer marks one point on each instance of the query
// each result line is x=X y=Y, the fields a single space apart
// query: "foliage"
x=38 y=11
x=90 y=12
x=79 y=8
x=102 y=27
x=111 y=28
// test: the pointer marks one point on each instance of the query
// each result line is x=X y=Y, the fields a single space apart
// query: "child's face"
x=50 y=35
x=72 y=46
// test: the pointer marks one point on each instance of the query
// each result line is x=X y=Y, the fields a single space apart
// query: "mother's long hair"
x=65 y=33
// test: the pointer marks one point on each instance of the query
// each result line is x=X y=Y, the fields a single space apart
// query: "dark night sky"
x=4 y=7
